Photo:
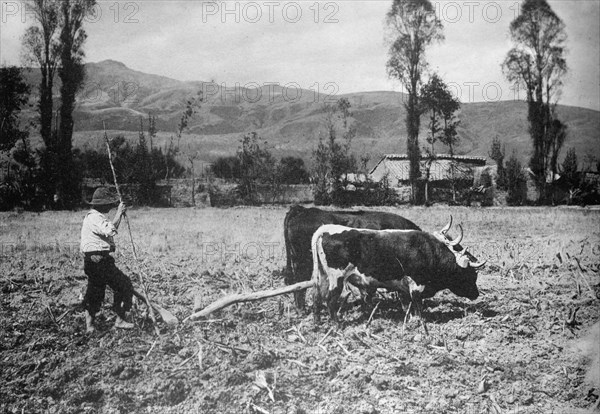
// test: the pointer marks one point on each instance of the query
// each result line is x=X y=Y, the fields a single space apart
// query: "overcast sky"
x=311 y=43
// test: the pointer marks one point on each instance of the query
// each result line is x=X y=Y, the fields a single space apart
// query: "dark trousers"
x=101 y=270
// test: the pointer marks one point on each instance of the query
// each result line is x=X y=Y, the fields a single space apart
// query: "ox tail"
x=316 y=244
x=320 y=266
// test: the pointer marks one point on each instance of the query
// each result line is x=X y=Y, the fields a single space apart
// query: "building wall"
x=397 y=171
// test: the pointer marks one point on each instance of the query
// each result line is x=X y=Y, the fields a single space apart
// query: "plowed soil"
x=516 y=349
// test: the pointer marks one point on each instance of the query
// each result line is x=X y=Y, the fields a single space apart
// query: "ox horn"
x=446 y=227
x=458 y=239
x=477 y=265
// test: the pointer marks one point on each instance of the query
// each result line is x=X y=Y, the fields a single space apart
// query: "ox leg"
x=320 y=293
x=403 y=289
x=333 y=301
x=316 y=306
x=416 y=293
x=300 y=301
x=418 y=311
x=292 y=276
x=343 y=301
x=367 y=295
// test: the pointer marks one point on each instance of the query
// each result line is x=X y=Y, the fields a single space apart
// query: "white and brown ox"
x=414 y=263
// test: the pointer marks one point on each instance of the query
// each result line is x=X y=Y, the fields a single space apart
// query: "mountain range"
x=290 y=119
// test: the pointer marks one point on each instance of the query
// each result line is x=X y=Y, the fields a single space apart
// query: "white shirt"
x=97 y=233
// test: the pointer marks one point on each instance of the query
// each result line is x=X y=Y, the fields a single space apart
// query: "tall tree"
x=497 y=153
x=537 y=63
x=413 y=26
x=431 y=98
x=14 y=94
x=71 y=72
x=449 y=106
x=437 y=99
x=557 y=135
x=41 y=47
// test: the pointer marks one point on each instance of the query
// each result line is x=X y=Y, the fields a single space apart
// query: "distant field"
x=514 y=336
x=182 y=231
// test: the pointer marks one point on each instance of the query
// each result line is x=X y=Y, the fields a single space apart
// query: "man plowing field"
x=97 y=244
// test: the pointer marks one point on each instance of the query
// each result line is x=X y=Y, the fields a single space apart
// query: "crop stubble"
x=509 y=351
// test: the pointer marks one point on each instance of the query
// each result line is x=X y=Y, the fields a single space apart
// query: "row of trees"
x=27 y=183
x=55 y=43
x=570 y=187
x=536 y=63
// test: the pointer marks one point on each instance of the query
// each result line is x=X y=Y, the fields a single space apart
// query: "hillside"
x=291 y=119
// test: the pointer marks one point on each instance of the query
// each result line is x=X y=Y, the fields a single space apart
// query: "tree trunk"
x=412 y=129
x=45 y=107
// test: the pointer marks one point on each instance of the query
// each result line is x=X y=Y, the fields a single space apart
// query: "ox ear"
x=462 y=261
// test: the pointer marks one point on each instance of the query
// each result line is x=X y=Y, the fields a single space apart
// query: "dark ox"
x=416 y=263
x=301 y=223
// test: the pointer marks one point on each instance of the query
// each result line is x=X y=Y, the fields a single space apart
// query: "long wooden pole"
x=140 y=273
x=248 y=297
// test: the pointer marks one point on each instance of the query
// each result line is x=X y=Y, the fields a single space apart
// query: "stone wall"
x=223 y=195
x=286 y=194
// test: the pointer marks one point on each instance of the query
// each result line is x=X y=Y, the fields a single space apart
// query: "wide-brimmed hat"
x=104 y=196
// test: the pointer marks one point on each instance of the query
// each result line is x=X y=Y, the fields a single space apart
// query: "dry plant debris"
x=519 y=348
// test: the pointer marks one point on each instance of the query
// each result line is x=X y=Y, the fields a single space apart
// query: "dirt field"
x=510 y=351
